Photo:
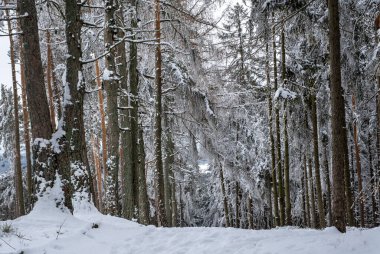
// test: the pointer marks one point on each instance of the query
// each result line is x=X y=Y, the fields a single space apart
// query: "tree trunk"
x=361 y=195
x=237 y=205
x=225 y=202
x=174 y=202
x=111 y=85
x=168 y=167
x=130 y=120
x=304 y=216
x=314 y=120
x=281 y=193
x=36 y=95
x=160 y=192
x=312 y=196
x=20 y=208
x=98 y=171
x=338 y=121
x=378 y=136
x=328 y=185
x=73 y=161
x=308 y=223
x=286 y=139
x=49 y=81
x=271 y=139
x=250 y=212
x=26 y=123
x=143 y=196
x=373 y=184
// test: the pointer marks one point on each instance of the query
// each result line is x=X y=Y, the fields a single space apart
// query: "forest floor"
x=49 y=230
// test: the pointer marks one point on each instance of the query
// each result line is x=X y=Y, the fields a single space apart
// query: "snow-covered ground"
x=49 y=230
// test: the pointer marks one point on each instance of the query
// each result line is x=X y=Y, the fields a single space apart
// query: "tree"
x=338 y=121
x=20 y=206
x=111 y=85
x=36 y=94
x=159 y=171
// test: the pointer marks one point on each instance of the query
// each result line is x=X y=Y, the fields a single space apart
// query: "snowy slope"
x=48 y=230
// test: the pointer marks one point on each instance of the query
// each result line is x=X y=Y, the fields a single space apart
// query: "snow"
x=107 y=74
x=47 y=229
x=284 y=93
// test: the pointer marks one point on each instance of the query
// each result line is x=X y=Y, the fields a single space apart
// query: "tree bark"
x=168 y=167
x=143 y=196
x=250 y=212
x=288 y=207
x=314 y=120
x=111 y=85
x=361 y=195
x=225 y=203
x=281 y=193
x=73 y=161
x=237 y=205
x=328 y=185
x=102 y=118
x=373 y=184
x=41 y=128
x=98 y=171
x=312 y=196
x=160 y=192
x=338 y=121
x=308 y=222
x=271 y=139
x=20 y=208
x=26 y=123
x=49 y=81
x=130 y=120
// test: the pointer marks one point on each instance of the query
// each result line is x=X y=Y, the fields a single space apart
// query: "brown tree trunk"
x=314 y=120
x=98 y=171
x=74 y=158
x=38 y=106
x=20 y=208
x=338 y=120
x=102 y=119
x=143 y=196
x=361 y=195
x=168 y=166
x=111 y=85
x=26 y=123
x=373 y=184
x=328 y=185
x=160 y=192
x=49 y=81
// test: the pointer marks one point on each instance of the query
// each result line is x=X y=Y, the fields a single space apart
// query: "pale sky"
x=5 y=66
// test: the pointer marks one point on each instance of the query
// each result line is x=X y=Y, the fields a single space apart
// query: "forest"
x=251 y=114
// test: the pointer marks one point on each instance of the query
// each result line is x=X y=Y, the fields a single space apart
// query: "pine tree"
x=338 y=121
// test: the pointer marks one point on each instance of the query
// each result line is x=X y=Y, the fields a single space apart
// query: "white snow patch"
x=49 y=230
x=107 y=74
x=284 y=93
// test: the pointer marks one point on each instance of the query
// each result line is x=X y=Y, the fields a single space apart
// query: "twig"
x=60 y=227
x=7 y=243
